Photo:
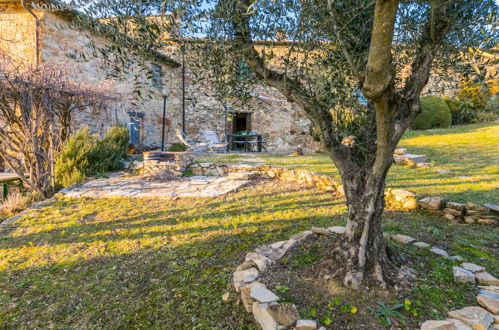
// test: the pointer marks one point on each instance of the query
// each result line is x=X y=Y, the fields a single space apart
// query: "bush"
x=462 y=113
x=85 y=155
x=16 y=202
x=177 y=147
x=435 y=113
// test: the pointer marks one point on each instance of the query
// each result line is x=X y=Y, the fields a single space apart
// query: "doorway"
x=241 y=121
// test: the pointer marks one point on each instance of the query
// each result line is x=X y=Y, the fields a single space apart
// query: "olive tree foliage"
x=355 y=67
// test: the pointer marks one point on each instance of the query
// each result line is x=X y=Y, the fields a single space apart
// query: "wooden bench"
x=9 y=179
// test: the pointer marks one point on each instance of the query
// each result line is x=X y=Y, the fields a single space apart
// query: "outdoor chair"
x=214 y=142
x=192 y=146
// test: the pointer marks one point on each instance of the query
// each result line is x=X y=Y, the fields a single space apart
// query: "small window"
x=157 y=76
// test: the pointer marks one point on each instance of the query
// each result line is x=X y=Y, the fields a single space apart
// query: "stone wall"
x=17 y=32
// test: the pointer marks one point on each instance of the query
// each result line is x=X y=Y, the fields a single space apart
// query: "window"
x=157 y=76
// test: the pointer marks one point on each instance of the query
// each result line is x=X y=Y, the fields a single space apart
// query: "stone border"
x=263 y=303
x=396 y=199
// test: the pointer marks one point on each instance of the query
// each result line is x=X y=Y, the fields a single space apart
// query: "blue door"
x=134 y=131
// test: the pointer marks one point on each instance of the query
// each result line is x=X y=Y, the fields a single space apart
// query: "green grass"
x=470 y=152
x=156 y=263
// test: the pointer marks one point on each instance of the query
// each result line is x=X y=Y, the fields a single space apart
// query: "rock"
x=225 y=296
x=472 y=267
x=245 y=295
x=490 y=288
x=475 y=317
x=306 y=325
x=439 y=252
x=455 y=206
x=242 y=176
x=489 y=300
x=404 y=239
x=496 y=319
x=409 y=158
x=449 y=216
x=487 y=221
x=289 y=244
x=421 y=245
x=476 y=207
x=263 y=317
x=244 y=276
x=453 y=212
x=284 y=313
x=432 y=203
x=259 y=260
x=474 y=212
x=245 y=265
x=492 y=207
x=337 y=229
x=262 y=294
x=320 y=231
x=400 y=151
x=278 y=244
x=301 y=236
x=456 y=258
x=448 y=324
x=469 y=220
x=485 y=278
x=462 y=275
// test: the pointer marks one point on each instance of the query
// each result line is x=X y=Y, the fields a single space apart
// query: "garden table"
x=245 y=140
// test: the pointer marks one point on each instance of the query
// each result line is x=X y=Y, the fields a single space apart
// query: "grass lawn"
x=164 y=263
x=470 y=152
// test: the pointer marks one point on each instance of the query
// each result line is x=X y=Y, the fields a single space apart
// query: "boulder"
x=321 y=231
x=262 y=294
x=485 y=278
x=449 y=216
x=469 y=220
x=489 y=300
x=476 y=207
x=421 y=244
x=289 y=244
x=449 y=324
x=456 y=206
x=284 y=313
x=306 y=325
x=475 y=317
x=263 y=317
x=462 y=275
x=490 y=288
x=245 y=265
x=259 y=260
x=404 y=239
x=337 y=229
x=439 y=252
x=492 y=207
x=432 y=203
x=487 y=221
x=472 y=267
x=456 y=213
x=244 y=276
x=245 y=295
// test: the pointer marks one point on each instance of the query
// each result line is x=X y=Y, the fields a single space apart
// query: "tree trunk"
x=360 y=256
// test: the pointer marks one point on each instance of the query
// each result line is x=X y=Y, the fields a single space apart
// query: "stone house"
x=30 y=34
x=34 y=35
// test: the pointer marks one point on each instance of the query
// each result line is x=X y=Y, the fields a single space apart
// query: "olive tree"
x=357 y=69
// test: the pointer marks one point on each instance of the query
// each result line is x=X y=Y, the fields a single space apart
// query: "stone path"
x=137 y=187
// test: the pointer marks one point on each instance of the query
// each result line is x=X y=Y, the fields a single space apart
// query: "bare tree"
x=35 y=112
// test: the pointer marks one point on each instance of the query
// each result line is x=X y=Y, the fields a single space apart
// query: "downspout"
x=183 y=88
x=37 y=37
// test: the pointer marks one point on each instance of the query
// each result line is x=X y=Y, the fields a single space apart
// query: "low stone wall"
x=176 y=162
x=270 y=314
x=396 y=199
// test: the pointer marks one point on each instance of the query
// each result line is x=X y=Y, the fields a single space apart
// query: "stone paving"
x=135 y=186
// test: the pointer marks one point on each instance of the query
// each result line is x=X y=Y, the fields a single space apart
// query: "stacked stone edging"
x=270 y=314
x=396 y=199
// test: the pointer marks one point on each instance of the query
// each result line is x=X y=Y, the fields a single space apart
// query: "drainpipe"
x=183 y=88
x=37 y=37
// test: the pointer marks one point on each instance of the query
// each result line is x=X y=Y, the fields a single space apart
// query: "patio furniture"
x=245 y=141
x=192 y=146
x=9 y=179
x=214 y=142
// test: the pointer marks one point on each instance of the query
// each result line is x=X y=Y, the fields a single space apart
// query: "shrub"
x=177 y=147
x=462 y=113
x=85 y=155
x=435 y=113
x=474 y=93
x=16 y=202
